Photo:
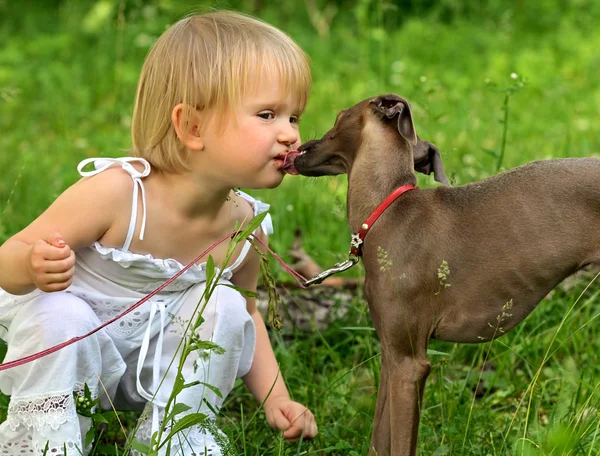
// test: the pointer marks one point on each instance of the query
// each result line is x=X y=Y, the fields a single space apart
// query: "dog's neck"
x=377 y=171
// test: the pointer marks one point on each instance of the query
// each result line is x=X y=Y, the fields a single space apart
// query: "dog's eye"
x=331 y=136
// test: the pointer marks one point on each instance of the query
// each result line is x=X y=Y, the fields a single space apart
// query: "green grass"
x=67 y=81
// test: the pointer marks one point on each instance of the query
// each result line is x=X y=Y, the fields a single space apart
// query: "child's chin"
x=267 y=184
x=275 y=182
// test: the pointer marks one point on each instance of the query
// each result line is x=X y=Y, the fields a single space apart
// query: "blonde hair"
x=208 y=62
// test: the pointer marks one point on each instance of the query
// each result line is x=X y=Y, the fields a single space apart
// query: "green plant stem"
x=504 y=132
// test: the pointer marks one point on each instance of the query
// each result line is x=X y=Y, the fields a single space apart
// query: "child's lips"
x=288 y=162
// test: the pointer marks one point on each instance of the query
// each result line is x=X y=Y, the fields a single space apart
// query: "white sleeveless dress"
x=129 y=359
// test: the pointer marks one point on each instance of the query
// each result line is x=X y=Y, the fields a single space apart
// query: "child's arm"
x=42 y=255
x=264 y=376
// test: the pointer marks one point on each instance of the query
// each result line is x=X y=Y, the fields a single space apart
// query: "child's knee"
x=54 y=318
x=225 y=293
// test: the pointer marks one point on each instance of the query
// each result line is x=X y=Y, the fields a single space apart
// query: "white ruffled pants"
x=42 y=406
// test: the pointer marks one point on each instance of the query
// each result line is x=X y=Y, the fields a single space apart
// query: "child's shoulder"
x=110 y=190
x=246 y=207
x=113 y=182
x=243 y=208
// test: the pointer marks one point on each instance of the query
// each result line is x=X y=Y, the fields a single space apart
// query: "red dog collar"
x=359 y=238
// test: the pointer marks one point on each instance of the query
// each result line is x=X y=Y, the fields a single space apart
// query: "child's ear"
x=187 y=127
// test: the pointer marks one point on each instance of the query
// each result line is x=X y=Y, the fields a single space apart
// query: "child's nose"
x=289 y=135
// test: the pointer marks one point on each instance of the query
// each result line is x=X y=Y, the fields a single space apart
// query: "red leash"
x=355 y=252
x=27 y=359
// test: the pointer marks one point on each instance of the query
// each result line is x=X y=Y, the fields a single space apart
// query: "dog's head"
x=383 y=121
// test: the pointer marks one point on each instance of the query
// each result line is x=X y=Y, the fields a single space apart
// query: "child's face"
x=248 y=152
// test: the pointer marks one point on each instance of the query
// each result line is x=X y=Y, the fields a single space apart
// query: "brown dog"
x=464 y=264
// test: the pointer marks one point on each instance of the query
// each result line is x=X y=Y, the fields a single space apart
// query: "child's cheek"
x=297 y=143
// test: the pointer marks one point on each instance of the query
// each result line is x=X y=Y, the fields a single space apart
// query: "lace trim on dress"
x=26 y=446
x=41 y=413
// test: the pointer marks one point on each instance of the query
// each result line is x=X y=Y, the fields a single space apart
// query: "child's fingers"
x=58 y=279
x=40 y=250
x=51 y=253
x=303 y=425
x=294 y=432
x=51 y=287
x=51 y=268
x=56 y=240
x=277 y=419
x=311 y=430
x=59 y=265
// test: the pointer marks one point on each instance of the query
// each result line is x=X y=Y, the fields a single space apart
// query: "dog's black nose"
x=307 y=145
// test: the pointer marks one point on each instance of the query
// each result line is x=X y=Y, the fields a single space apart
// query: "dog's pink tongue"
x=288 y=163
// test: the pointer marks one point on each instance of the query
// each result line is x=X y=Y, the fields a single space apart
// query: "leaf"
x=210 y=406
x=490 y=152
x=89 y=436
x=247 y=293
x=199 y=318
x=205 y=345
x=435 y=352
x=176 y=410
x=210 y=269
x=250 y=227
x=141 y=447
x=98 y=418
x=105 y=449
x=3 y=349
x=187 y=421
x=179 y=384
x=214 y=389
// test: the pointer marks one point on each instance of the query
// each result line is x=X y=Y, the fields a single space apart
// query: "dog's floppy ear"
x=392 y=105
x=427 y=158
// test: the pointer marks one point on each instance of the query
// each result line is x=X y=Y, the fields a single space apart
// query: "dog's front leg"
x=380 y=438
x=396 y=421
x=406 y=378
x=406 y=383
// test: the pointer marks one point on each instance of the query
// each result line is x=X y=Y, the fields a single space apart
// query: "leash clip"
x=338 y=267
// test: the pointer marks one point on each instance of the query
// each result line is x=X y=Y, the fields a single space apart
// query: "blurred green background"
x=525 y=74
x=68 y=72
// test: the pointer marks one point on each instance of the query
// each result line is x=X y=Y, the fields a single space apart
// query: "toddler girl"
x=217 y=108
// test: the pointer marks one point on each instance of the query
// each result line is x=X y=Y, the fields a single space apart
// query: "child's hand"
x=51 y=263
x=292 y=418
